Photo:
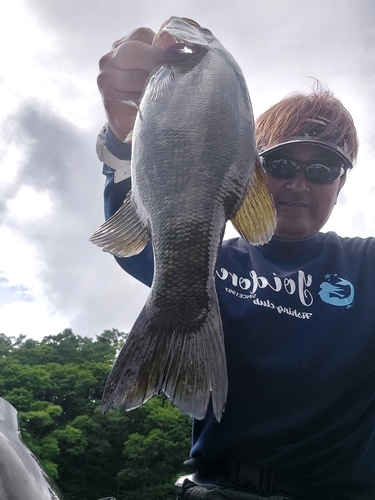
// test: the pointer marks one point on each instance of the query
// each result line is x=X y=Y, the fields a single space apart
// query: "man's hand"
x=123 y=74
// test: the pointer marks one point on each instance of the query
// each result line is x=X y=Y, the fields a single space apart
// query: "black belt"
x=263 y=481
x=243 y=474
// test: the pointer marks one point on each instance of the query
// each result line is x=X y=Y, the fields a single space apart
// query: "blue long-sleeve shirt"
x=299 y=327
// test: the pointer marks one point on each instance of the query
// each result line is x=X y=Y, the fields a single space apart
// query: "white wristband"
x=121 y=167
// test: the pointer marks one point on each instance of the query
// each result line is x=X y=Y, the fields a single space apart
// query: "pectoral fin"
x=162 y=83
x=123 y=234
x=129 y=138
x=135 y=104
x=255 y=220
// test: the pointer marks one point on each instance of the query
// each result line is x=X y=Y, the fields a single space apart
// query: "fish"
x=194 y=167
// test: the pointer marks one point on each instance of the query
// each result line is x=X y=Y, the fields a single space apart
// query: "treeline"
x=56 y=386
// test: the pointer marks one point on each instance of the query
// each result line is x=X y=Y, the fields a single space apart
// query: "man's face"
x=303 y=207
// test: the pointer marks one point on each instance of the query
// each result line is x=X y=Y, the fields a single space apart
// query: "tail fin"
x=187 y=365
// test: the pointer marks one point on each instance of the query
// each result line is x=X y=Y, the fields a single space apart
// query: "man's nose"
x=299 y=182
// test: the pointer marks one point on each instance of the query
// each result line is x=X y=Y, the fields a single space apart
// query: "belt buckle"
x=259 y=479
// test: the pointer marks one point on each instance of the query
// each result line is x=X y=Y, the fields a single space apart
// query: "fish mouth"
x=179 y=38
x=170 y=47
x=184 y=48
x=168 y=44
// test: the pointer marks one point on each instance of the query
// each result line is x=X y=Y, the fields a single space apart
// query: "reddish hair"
x=293 y=115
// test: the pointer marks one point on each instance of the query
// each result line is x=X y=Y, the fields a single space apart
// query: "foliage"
x=56 y=386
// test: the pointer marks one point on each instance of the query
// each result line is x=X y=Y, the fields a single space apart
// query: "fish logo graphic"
x=337 y=291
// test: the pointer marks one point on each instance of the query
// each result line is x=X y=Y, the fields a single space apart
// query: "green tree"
x=56 y=386
x=154 y=453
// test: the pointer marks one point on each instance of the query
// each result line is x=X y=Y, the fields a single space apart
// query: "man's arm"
x=123 y=74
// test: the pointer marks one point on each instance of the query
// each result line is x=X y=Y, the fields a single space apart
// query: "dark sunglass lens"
x=282 y=168
x=322 y=174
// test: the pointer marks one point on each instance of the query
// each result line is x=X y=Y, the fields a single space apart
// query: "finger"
x=144 y=35
x=135 y=55
x=121 y=116
x=122 y=81
x=130 y=55
x=123 y=74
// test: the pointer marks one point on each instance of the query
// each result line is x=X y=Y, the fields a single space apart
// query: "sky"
x=51 y=277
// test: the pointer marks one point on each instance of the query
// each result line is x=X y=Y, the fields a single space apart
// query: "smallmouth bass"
x=194 y=166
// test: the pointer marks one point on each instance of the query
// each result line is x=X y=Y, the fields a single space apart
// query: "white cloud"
x=29 y=205
x=51 y=277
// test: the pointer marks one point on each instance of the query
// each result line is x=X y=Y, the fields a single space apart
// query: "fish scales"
x=193 y=162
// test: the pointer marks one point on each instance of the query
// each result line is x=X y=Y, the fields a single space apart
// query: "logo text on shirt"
x=291 y=286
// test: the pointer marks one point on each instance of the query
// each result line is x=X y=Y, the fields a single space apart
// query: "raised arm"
x=123 y=74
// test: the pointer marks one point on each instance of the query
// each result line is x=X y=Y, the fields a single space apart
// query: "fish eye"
x=205 y=31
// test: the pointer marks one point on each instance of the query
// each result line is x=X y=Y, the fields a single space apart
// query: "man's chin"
x=293 y=233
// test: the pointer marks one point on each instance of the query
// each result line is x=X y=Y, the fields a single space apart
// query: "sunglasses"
x=317 y=173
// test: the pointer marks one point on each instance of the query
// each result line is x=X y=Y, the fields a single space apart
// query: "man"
x=297 y=313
